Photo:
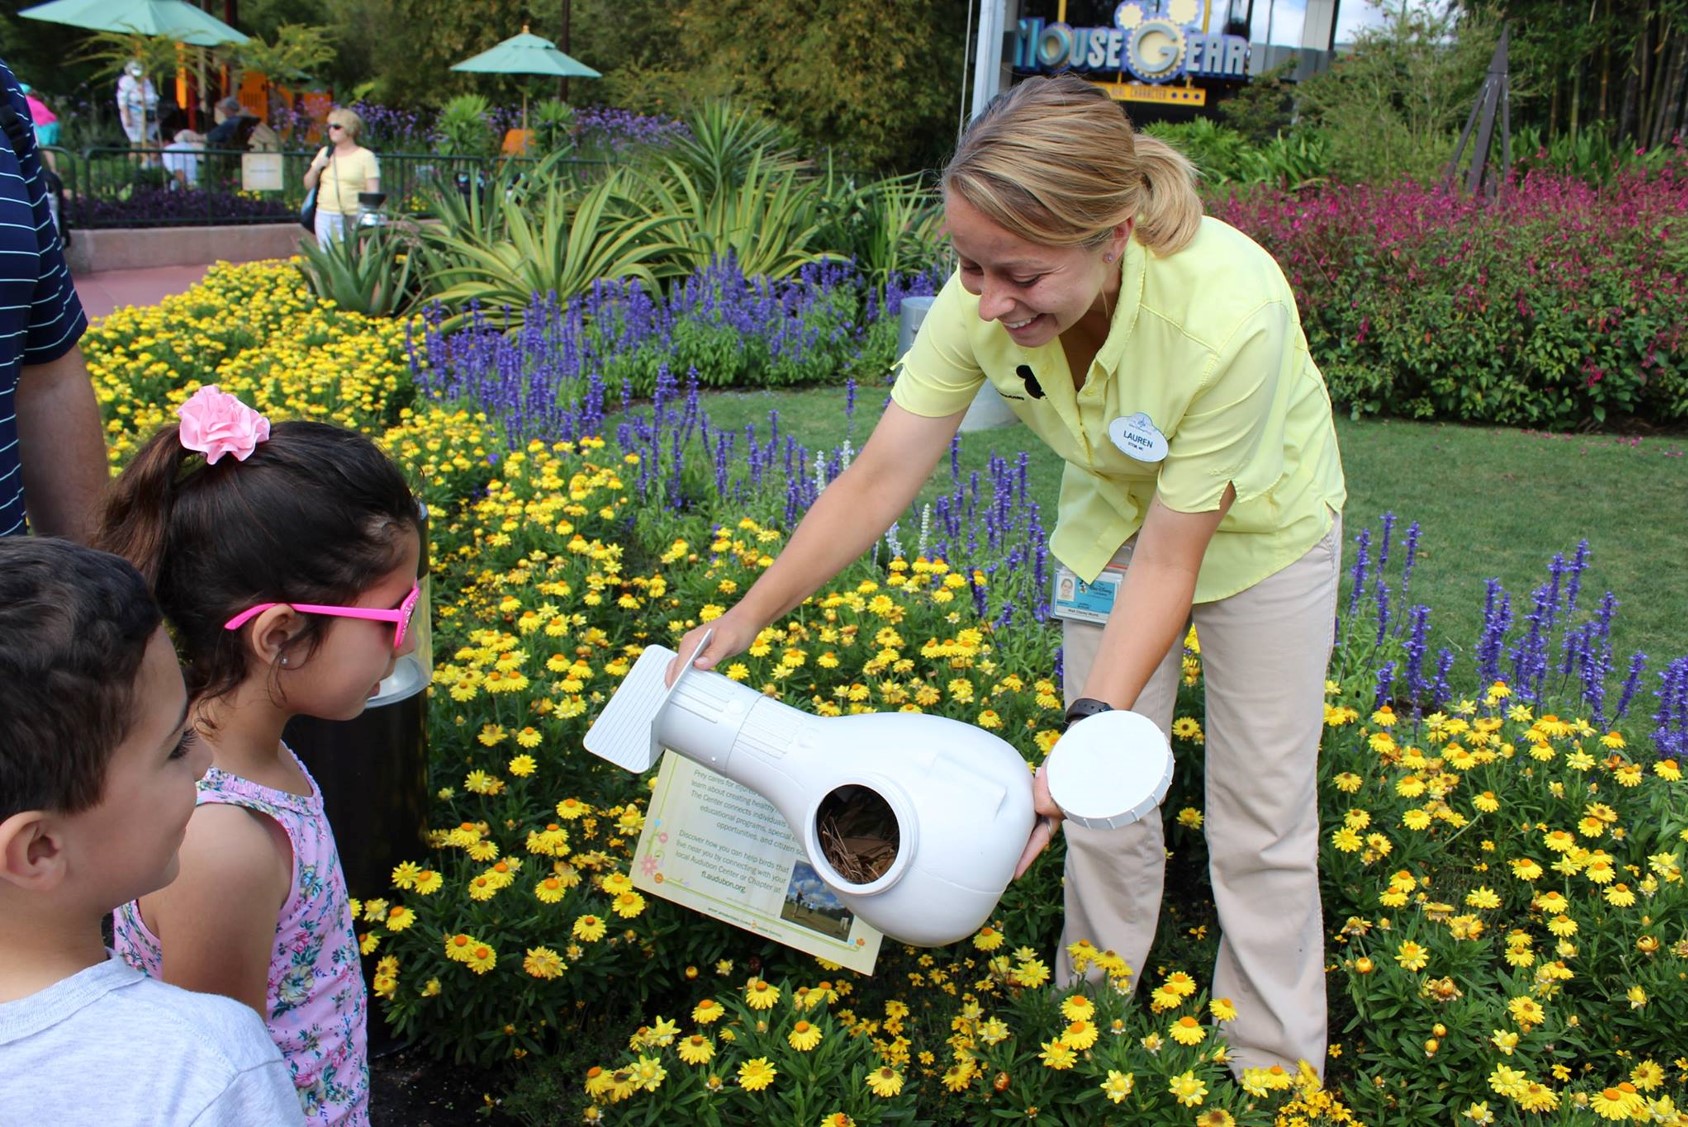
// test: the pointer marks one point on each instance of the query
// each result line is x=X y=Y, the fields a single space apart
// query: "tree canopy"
x=1620 y=66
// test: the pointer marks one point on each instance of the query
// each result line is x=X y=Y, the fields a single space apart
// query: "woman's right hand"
x=730 y=635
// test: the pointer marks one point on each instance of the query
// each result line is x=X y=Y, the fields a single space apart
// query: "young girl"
x=285 y=559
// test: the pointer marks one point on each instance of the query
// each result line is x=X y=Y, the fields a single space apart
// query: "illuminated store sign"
x=1153 y=40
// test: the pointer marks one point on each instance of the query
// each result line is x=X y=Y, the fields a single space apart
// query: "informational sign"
x=260 y=172
x=719 y=848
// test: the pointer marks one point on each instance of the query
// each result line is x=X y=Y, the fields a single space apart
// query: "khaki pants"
x=1265 y=652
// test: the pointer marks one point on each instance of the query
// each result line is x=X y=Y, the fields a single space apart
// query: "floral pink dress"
x=317 y=1003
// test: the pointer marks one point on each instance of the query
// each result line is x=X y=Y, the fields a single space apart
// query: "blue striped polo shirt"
x=41 y=318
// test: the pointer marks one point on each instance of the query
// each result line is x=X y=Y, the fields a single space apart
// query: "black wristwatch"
x=1082 y=707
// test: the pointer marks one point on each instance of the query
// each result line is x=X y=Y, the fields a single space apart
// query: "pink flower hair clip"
x=216 y=423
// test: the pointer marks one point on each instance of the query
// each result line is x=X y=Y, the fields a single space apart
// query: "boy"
x=97 y=774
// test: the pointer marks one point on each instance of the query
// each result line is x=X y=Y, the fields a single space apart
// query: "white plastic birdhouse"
x=914 y=821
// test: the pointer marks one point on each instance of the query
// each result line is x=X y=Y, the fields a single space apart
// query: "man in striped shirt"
x=52 y=445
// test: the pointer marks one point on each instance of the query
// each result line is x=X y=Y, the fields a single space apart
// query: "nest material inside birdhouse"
x=858 y=833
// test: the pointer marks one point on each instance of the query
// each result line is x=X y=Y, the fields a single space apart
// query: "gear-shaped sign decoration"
x=1155 y=50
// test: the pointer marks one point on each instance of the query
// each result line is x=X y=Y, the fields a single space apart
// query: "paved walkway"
x=106 y=290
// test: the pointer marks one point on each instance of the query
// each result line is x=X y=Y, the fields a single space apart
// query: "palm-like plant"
x=159 y=56
x=370 y=271
x=296 y=53
x=558 y=240
x=890 y=227
x=720 y=141
x=767 y=218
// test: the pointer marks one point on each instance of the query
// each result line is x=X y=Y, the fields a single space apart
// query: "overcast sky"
x=1287 y=17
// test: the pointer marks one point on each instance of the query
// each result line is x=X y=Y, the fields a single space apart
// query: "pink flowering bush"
x=1558 y=304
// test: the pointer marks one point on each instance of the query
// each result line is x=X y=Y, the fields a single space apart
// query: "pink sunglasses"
x=400 y=617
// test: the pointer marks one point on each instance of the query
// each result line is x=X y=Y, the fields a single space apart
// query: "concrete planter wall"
x=139 y=248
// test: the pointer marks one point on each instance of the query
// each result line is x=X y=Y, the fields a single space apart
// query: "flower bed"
x=168 y=207
x=1502 y=860
x=1559 y=304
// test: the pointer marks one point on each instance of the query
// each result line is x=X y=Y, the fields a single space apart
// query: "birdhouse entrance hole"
x=858 y=833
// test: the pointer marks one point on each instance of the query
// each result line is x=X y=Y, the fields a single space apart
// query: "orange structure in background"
x=256 y=93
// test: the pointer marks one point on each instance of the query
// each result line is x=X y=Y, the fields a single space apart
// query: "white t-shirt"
x=137 y=95
x=110 y=1047
x=183 y=157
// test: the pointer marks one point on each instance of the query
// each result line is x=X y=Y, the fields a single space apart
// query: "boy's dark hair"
x=74 y=626
x=316 y=514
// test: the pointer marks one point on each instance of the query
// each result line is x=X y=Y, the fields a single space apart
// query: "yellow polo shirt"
x=1205 y=342
x=344 y=178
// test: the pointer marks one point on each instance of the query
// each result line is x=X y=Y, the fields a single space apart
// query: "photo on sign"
x=810 y=903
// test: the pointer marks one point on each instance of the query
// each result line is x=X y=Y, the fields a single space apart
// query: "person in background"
x=46 y=126
x=1160 y=353
x=341 y=170
x=97 y=774
x=234 y=125
x=137 y=107
x=181 y=159
x=52 y=441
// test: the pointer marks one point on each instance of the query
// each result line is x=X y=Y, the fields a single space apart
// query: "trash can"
x=369 y=209
x=373 y=770
x=988 y=408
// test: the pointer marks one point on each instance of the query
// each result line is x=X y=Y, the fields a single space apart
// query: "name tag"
x=1073 y=599
x=1138 y=437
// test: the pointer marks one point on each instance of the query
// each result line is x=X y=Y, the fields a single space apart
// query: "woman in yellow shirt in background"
x=341 y=170
x=1160 y=354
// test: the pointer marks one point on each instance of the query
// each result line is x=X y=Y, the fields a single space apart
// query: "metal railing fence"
x=107 y=187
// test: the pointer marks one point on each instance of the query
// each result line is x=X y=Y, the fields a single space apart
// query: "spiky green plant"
x=556 y=238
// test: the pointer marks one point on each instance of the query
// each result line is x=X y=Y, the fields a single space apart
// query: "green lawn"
x=1490 y=502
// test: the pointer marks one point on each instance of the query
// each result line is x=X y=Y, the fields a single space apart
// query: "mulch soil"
x=410 y=1089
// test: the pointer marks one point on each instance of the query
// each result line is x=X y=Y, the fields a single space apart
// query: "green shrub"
x=552 y=123
x=1557 y=305
x=465 y=128
x=370 y=271
x=559 y=240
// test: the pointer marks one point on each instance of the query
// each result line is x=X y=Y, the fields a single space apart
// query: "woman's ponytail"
x=1170 y=213
x=1056 y=162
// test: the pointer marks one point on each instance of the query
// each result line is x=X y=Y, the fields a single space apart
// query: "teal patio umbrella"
x=527 y=54
x=524 y=54
x=173 y=19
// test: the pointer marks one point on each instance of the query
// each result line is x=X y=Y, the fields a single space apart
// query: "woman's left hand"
x=1049 y=819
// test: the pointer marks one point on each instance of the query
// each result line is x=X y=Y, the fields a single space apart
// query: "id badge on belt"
x=1073 y=599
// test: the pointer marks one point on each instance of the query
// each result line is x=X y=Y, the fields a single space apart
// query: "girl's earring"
x=284 y=660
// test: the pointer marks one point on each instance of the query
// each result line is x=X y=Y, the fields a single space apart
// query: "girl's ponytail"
x=135 y=517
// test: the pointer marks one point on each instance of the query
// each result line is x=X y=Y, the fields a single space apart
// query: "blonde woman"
x=341 y=170
x=1160 y=354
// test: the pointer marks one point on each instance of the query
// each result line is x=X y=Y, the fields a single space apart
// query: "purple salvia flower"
x=1632 y=684
x=1440 y=693
x=1358 y=574
x=1385 y=685
x=1573 y=579
x=1410 y=560
x=1497 y=620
